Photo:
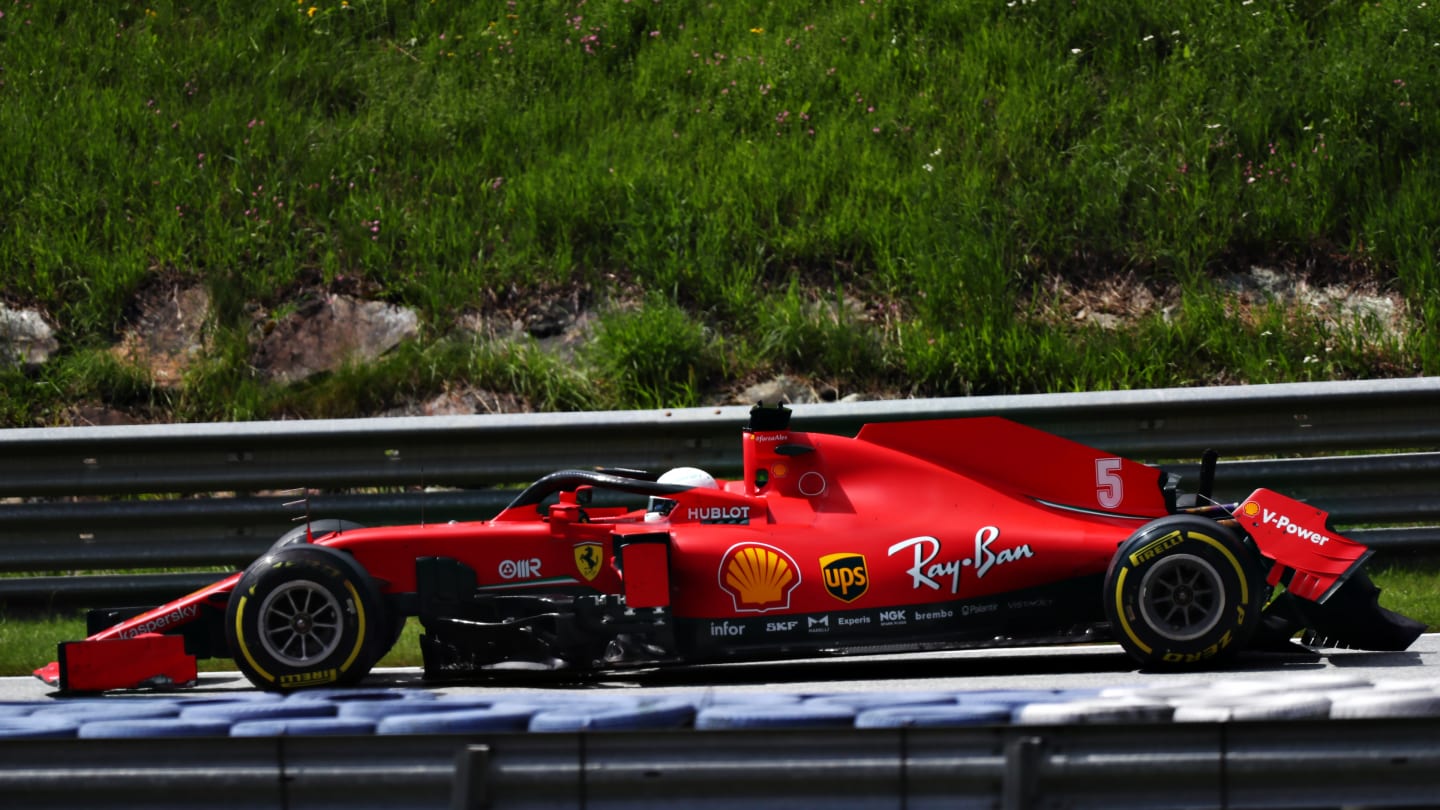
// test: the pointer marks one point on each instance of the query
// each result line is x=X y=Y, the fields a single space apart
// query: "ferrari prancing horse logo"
x=588 y=557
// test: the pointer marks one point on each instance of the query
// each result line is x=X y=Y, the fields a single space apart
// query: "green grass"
x=879 y=195
x=737 y=170
x=1411 y=588
x=28 y=642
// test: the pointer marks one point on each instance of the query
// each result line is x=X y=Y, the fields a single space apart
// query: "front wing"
x=144 y=649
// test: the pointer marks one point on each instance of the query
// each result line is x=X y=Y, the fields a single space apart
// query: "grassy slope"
x=743 y=169
x=736 y=166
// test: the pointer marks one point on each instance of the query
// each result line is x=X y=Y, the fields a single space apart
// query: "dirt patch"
x=167 y=330
x=1119 y=301
x=462 y=400
x=1109 y=302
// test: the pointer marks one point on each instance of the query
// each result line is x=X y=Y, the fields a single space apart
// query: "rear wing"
x=1297 y=537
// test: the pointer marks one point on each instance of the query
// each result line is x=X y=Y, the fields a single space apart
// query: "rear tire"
x=1183 y=593
x=304 y=616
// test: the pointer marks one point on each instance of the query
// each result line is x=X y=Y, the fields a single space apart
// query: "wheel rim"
x=1182 y=597
x=300 y=623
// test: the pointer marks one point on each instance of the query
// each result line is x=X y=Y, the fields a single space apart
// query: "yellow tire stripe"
x=1120 y=611
x=1210 y=541
x=359 y=637
x=261 y=671
x=240 y=639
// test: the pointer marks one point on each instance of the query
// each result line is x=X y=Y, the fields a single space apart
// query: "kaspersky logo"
x=758 y=577
x=845 y=575
x=179 y=615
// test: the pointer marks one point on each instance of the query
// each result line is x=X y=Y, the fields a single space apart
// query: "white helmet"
x=692 y=477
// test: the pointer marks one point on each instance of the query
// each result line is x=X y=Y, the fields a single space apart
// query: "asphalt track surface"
x=1094 y=666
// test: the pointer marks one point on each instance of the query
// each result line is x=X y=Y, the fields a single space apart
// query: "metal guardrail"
x=89 y=498
x=1374 y=764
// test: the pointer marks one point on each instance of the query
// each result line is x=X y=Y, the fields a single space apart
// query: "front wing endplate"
x=149 y=660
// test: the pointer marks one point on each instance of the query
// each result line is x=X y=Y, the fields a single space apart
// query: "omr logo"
x=845 y=576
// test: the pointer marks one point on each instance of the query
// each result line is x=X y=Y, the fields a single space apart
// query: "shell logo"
x=1251 y=509
x=758 y=577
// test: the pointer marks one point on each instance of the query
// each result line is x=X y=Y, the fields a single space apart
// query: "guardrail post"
x=472 y=768
x=1022 y=766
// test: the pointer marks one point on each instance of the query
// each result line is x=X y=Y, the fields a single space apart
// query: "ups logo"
x=844 y=576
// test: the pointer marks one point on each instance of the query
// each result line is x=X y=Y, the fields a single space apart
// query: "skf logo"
x=588 y=557
x=844 y=574
x=758 y=577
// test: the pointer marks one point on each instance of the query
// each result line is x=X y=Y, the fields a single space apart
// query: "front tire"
x=1183 y=592
x=305 y=616
x=316 y=528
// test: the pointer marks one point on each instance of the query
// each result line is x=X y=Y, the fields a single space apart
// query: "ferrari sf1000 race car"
x=909 y=536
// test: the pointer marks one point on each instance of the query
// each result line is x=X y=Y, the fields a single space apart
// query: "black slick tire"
x=316 y=528
x=305 y=616
x=320 y=528
x=1184 y=592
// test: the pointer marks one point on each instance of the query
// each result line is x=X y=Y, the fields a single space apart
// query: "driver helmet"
x=692 y=477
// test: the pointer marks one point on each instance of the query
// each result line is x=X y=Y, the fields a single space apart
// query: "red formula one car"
x=909 y=536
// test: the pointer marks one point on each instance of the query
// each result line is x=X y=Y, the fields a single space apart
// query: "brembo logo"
x=179 y=615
